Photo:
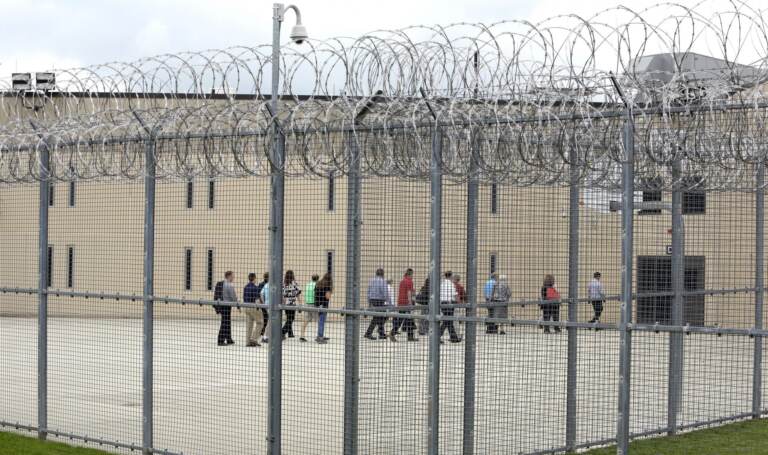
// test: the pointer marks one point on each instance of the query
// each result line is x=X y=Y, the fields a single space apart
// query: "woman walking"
x=323 y=292
x=550 y=302
x=291 y=294
x=309 y=299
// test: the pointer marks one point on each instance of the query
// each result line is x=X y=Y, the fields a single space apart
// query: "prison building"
x=205 y=227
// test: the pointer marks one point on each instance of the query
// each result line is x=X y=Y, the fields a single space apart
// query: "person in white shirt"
x=448 y=298
x=390 y=302
x=596 y=294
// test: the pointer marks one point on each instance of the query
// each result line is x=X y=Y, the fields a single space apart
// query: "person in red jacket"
x=405 y=298
x=550 y=302
x=462 y=294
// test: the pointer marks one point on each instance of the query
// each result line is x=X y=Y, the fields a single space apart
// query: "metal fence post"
x=573 y=296
x=148 y=294
x=627 y=251
x=276 y=232
x=436 y=192
x=42 y=295
x=757 y=373
x=470 y=332
x=675 y=369
x=276 y=295
x=352 y=321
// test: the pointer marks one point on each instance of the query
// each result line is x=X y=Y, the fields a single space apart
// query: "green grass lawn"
x=742 y=438
x=14 y=444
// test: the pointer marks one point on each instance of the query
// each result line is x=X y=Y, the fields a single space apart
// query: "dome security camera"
x=299 y=34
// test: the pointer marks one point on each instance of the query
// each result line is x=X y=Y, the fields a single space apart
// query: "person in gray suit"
x=228 y=295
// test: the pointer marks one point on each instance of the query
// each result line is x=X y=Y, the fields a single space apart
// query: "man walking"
x=264 y=311
x=378 y=294
x=448 y=296
x=490 y=327
x=405 y=298
x=253 y=316
x=264 y=296
x=228 y=295
x=596 y=294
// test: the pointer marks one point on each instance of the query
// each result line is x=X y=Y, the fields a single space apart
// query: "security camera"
x=299 y=34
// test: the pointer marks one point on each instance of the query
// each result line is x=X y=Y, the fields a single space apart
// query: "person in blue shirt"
x=253 y=316
x=378 y=296
x=264 y=293
x=490 y=327
x=264 y=311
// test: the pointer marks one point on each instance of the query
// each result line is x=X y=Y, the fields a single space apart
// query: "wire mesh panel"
x=521 y=391
x=95 y=372
x=393 y=374
x=94 y=334
x=650 y=367
x=202 y=388
x=506 y=238
x=764 y=406
x=19 y=309
x=717 y=378
x=597 y=386
x=209 y=374
x=313 y=349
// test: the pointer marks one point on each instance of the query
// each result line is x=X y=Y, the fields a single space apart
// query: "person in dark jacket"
x=323 y=292
x=550 y=302
x=422 y=298
x=228 y=295
x=253 y=316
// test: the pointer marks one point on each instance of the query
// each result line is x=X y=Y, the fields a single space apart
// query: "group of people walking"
x=317 y=292
x=380 y=294
x=498 y=295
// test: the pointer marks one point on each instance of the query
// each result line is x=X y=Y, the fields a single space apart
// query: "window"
x=329 y=261
x=651 y=196
x=209 y=271
x=70 y=267
x=72 y=193
x=651 y=193
x=331 y=191
x=493 y=263
x=211 y=193
x=51 y=194
x=694 y=200
x=190 y=194
x=188 y=269
x=49 y=272
x=494 y=198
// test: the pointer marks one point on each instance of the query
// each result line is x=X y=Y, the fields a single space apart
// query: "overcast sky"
x=41 y=35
